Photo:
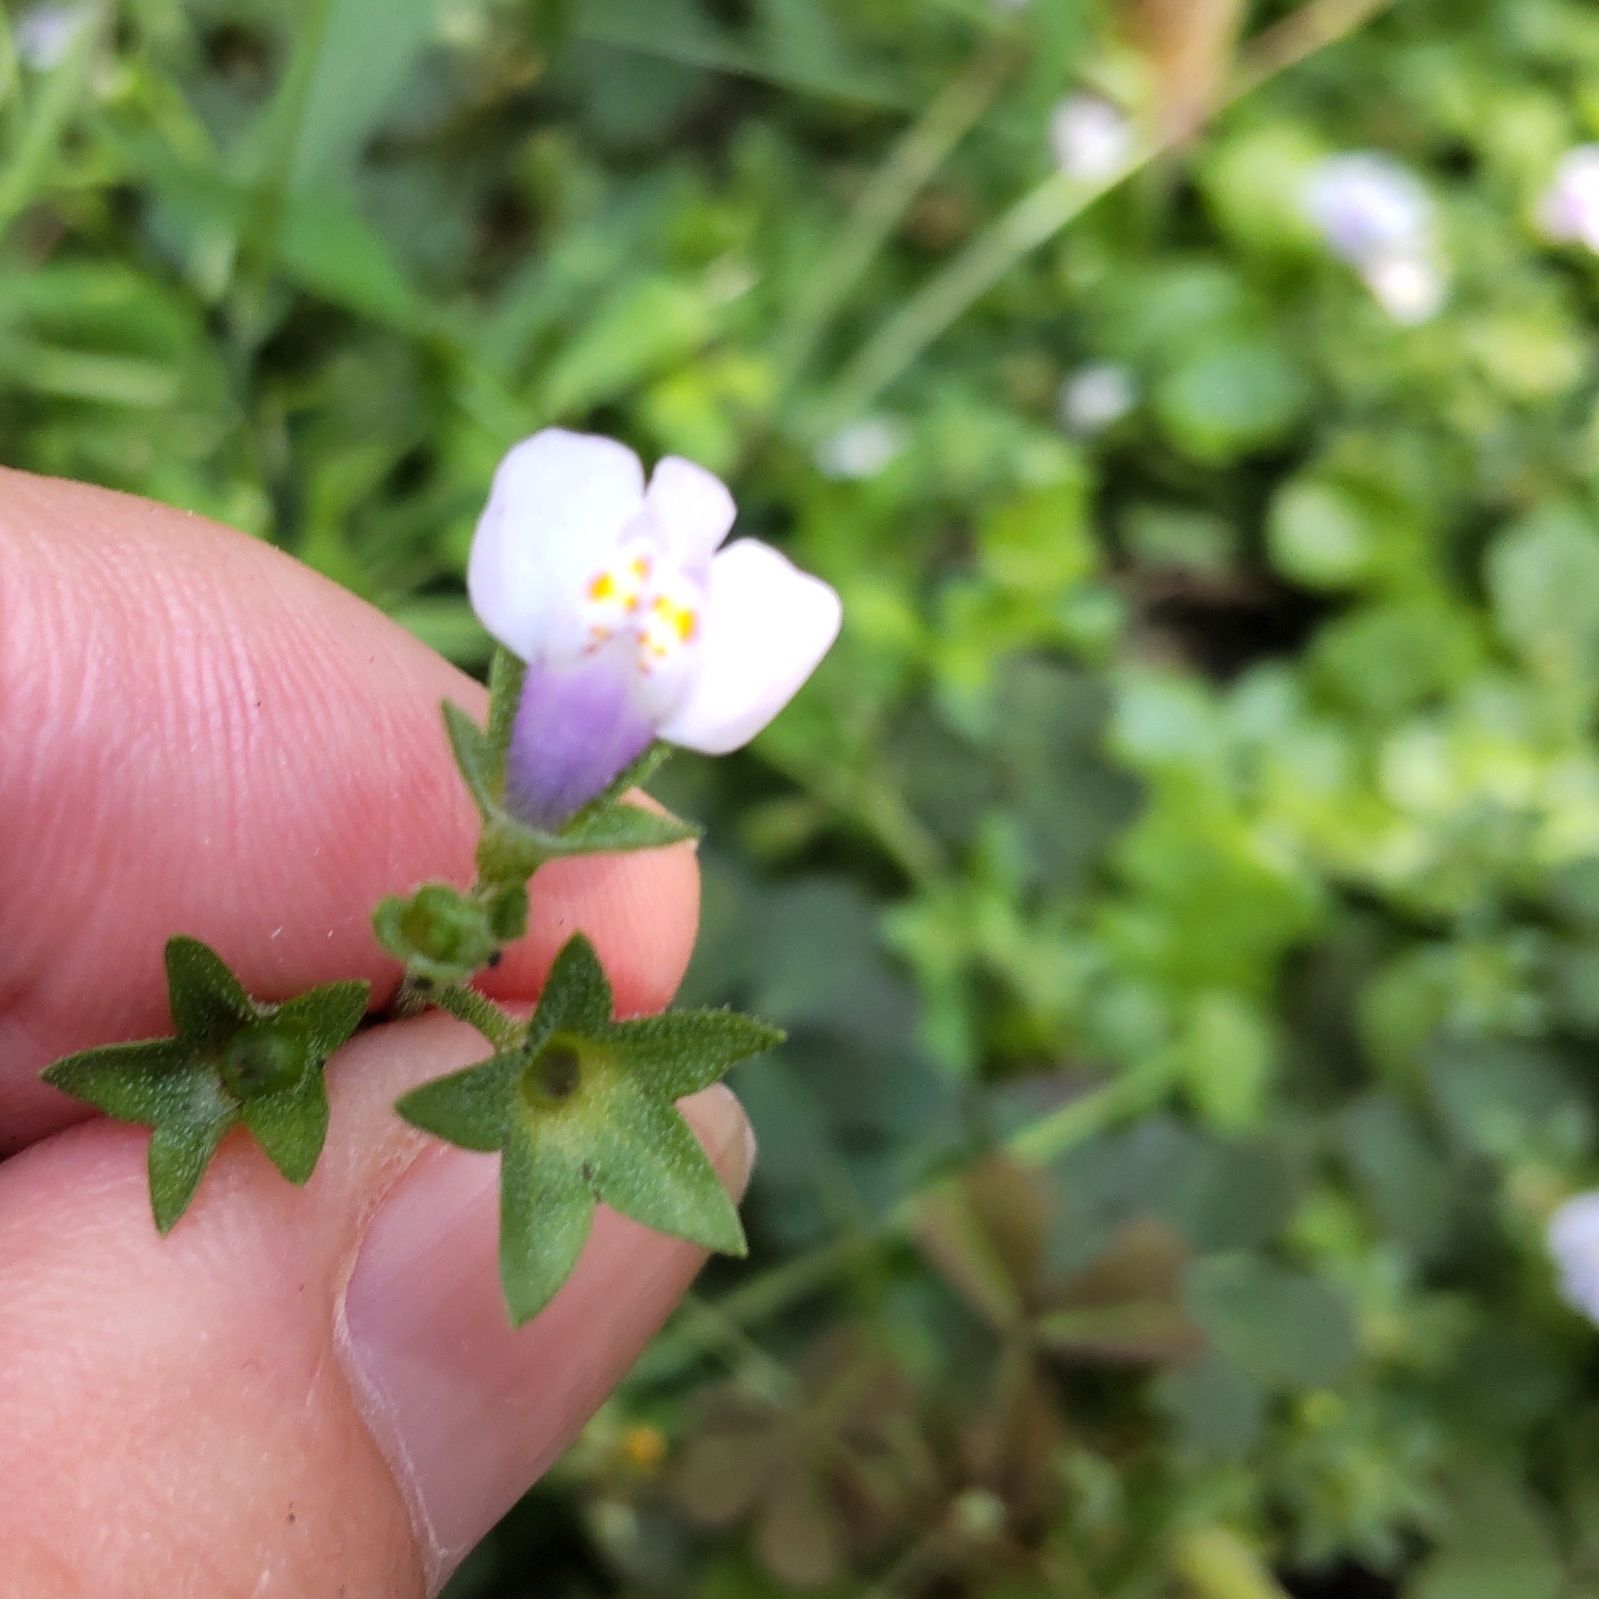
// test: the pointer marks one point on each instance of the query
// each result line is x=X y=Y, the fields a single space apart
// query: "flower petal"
x=767 y=627
x=559 y=503
x=577 y=728
x=692 y=508
x=1574 y=1243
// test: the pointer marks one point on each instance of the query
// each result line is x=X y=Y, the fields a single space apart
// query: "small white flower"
x=1573 y=1239
x=1569 y=210
x=634 y=624
x=1091 y=137
x=1368 y=207
x=45 y=33
x=1411 y=289
x=1375 y=215
x=1096 y=397
x=860 y=450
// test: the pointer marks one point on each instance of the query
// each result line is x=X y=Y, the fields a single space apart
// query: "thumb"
x=299 y=1392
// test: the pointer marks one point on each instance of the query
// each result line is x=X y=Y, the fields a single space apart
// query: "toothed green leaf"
x=583 y=1108
x=291 y=1126
x=577 y=993
x=546 y=1213
x=618 y=825
x=180 y=1151
x=687 y=1050
x=208 y=1004
x=326 y=1017
x=467 y=1108
x=511 y=851
x=507 y=674
x=647 y=1163
x=232 y=1060
x=142 y=1083
x=474 y=754
x=634 y=775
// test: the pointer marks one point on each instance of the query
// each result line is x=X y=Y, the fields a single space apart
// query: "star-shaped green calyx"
x=232 y=1061
x=581 y=1109
x=443 y=935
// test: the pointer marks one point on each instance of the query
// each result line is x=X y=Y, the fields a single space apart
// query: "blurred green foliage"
x=1204 y=810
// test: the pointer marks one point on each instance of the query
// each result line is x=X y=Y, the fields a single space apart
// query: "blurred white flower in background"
x=1569 y=211
x=1091 y=137
x=44 y=34
x=1411 y=289
x=1574 y=1242
x=861 y=450
x=1375 y=215
x=1368 y=206
x=1096 y=397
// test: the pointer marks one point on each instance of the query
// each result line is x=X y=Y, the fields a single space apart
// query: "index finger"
x=198 y=734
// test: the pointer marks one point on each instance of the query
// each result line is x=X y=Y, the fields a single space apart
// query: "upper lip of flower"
x=575 y=556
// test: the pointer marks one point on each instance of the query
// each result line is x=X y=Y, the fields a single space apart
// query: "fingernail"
x=469 y=1411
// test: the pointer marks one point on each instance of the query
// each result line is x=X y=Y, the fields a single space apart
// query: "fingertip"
x=718 y=1118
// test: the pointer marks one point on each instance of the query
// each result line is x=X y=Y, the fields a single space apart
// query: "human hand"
x=310 y=1392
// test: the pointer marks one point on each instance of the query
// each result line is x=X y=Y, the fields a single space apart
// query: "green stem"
x=414 y=997
x=757 y=1300
x=910 y=165
x=1043 y=212
x=263 y=225
x=872 y=803
x=714 y=1330
x=49 y=112
x=500 y=865
x=471 y=1007
x=10 y=76
x=1298 y=37
x=1046 y=1139
x=1036 y=218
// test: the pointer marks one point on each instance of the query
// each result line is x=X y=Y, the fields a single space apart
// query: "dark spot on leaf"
x=558 y=1071
x=260 y=1061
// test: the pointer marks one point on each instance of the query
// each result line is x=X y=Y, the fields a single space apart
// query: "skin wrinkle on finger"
x=203 y=736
